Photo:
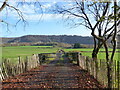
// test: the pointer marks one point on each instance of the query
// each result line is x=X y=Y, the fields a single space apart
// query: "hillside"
x=50 y=38
x=6 y=40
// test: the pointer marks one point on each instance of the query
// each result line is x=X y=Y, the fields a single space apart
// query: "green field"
x=101 y=55
x=88 y=49
x=15 y=51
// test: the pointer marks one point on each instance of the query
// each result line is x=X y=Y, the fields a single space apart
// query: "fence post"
x=40 y=62
x=4 y=68
x=96 y=68
x=1 y=74
x=118 y=74
x=115 y=71
x=87 y=59
x=77 y=57
x=80 y=60
x=19 y=59
x=26 y=63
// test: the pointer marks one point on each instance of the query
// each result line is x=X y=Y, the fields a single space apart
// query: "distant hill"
x=6 y=40
x=71 y=39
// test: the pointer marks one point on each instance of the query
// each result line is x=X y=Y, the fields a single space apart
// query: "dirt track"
x=57 y=74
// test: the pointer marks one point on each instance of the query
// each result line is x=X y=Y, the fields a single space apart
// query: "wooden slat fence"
x=20 y=66
x=98 y=69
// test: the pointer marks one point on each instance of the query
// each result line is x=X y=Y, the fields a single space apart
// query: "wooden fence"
x=98 y=69
x=23 y=64
x=20 y=65
x=46 y=57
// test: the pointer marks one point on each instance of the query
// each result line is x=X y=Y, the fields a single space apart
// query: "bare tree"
x=102 y=28
x=6 y=5
x=101 y=18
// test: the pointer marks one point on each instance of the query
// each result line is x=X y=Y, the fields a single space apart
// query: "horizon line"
x=43 y=35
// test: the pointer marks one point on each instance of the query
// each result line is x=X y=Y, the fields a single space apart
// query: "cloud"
x=29 y=11
x=44 y=17
x=46 y=6
x=25 y=9
x=32 y=11
x=51 y=16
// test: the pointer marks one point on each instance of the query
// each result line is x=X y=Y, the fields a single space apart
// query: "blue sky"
x=48 y=24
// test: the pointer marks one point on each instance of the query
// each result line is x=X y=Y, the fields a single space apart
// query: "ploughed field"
x=23 y=51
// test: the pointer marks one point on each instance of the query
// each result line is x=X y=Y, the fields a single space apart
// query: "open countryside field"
x=15 y=51
x=101 y=55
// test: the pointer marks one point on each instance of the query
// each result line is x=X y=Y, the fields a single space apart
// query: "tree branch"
x=3 y=5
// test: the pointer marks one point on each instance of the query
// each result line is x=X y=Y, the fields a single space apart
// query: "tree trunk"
x=97 y=47
x=115 y=31
x=108 y=66
x=94 y=54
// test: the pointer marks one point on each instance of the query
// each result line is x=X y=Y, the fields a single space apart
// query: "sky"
x=39 y=22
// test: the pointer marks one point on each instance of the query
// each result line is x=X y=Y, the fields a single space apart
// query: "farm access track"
x=58 y=73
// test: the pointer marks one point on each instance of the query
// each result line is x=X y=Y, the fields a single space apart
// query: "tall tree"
x=101 y=18
x=96 y=16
